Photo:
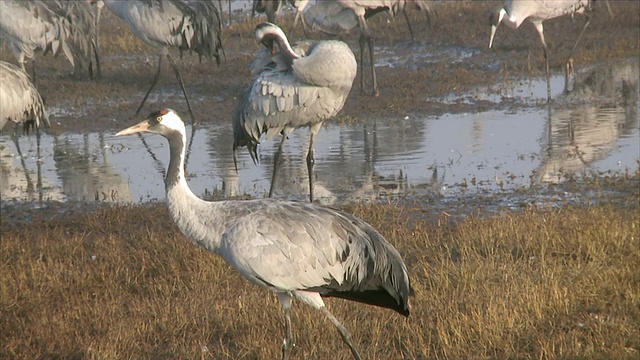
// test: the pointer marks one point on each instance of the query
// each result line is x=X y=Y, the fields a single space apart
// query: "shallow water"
x=445 y=156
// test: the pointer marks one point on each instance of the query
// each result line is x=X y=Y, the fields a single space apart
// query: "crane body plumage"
x=20 y=101
x=29 y=27
x=65 y=27
x=299 y=86
x=536 y=11
x=193 y=26
x=299 y=250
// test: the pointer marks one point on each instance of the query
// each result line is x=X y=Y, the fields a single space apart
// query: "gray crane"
x=297 y=250
x=537 y=11
x=301 y=86
x=187 y=25
x=339 y=16
x=50 y=26
x=20 y=101
x=271 y=8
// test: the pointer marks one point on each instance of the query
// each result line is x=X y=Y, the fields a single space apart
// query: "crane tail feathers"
x=379 y=298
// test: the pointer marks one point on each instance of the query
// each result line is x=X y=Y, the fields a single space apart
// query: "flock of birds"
x=298 y=250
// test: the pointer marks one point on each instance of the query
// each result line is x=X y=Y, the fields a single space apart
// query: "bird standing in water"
x=294 y=87
x=537 y=11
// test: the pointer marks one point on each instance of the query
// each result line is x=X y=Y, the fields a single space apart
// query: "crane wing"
x=294 y=246
x=19 y=99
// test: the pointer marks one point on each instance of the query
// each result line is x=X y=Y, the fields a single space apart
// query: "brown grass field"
x=123 y=283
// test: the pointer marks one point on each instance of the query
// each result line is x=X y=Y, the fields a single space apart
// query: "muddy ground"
x=128 y=66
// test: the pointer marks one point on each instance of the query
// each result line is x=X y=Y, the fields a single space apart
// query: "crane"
x=300 y=86
x=272 y=7
x=269 y=7
x=298 y=250
x=51 y=26
x=186 y=25
x=537 y=11
x=339 y=16
x=20 y=101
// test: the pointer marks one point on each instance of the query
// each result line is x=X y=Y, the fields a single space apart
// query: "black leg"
x=153 y=84
x=276 y=163
x=184 y=91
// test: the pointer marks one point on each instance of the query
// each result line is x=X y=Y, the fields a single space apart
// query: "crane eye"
x=159 y=119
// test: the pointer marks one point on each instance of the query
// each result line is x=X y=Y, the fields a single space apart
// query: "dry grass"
x=122 y=282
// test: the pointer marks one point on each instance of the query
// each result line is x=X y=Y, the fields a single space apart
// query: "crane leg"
x=299 y=17
x=310 y=160
x=98 y=74
x=39 y=167
x=276 y=163
x=428 y=13
x=97 y=44
x=361 y=64
x=569 y=65
x=365 y=35
x=288 y=342
x=406 y=18
x=373 y=68
x=184 y=91
x=221 y=12
x=546 y=59
x=540 y=29
x=346 y=336
x=369 y=40
x=30 y=187
x=153 y=84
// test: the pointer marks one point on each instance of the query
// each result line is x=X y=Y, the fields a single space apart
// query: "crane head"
x=160 y=122
x=269 y=34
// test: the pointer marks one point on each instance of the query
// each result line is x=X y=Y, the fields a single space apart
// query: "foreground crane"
x=297 y=250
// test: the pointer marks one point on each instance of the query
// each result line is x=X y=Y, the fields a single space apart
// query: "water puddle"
x=444 y=156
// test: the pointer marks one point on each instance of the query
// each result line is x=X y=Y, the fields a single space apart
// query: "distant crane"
x=51 y=26
x=297 y=250
x=339 y=16
x=537 y=11
x=272 y=7
x=186 y=25
x=20 y=101
x=269 y=7
x=301 y=86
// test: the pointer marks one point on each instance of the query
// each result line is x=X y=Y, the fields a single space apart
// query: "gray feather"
x=20 y=101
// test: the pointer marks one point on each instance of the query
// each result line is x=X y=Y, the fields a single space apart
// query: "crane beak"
x=493 y=33
x=140 y=127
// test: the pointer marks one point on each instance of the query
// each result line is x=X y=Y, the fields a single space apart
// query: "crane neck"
x=202 y=221
x=286 y=51
x=175 y=171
